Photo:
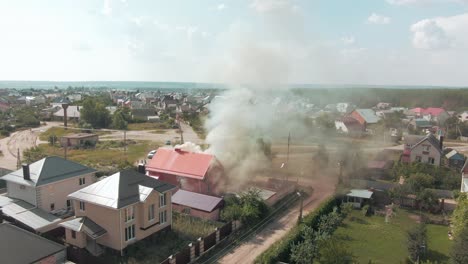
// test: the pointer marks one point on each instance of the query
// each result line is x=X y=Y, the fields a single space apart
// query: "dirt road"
x=21 y=140
x=324 y=187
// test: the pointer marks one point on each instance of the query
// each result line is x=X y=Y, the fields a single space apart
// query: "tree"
x=33 y=154
x=416 y=241
x=249 y=207
x=118 y=120
x=420 y=181
x=95 y=113
x=460 y=214
x=303 y=253
x=428 y=199
x=459 y=253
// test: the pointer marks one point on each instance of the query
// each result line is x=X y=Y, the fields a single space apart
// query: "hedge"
x=281 y=249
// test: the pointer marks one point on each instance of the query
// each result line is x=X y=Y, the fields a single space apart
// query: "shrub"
x=365 y=210
x=4 y=133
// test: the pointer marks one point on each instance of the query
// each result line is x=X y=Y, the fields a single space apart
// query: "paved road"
x=324 y=187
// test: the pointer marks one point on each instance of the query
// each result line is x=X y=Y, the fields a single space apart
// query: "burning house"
x=190 y=171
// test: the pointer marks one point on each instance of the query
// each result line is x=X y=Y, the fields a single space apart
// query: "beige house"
x=426 y=149
x=79 y=140
x=118 y=211
x=37 y=193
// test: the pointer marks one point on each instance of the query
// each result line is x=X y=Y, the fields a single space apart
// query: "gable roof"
x=412 y=139
x=454 y=155
x=368 y=115
x=121 y=189
x=49 y=170
x=434 y=111
x=431 y=139
x=196 y=200
x=22 y=246
x=181 y=163
x=422 y=123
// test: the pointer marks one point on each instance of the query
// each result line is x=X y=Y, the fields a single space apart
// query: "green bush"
x=4 y=133
x=365 y=210
x=281 y=250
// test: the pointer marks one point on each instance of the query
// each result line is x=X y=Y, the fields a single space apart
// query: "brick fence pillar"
x=201 y=244
x=218 y=234
x=192 y=252
x=172 y=259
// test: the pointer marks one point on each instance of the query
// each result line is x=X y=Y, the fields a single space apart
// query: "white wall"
x=21 y=192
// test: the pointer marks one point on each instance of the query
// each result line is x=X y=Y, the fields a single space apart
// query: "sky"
x=370 y=42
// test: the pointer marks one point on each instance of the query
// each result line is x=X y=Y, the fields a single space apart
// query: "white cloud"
x=221 y=7
x=348 y=40
x=106 y=9
x=441 y=32
x=424 y=2
x=378 y=19
x=266 y=6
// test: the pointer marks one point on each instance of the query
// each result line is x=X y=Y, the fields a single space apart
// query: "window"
x=129 y=232
x=431 y=160
x=426 y=147
x=151 y=212
x=52 y=206
x=162 y=200
x=162 y=217
x=418 y=158
x=82 y=181
x=129 y=213
x=82 y=206
x=73 y=234
x=68 y=204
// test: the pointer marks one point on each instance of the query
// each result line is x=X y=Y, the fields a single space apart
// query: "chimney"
x=441 y=140
x=26 y=174
x=141 y=168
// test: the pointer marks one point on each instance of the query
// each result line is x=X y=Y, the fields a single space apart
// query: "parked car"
x=151 y=154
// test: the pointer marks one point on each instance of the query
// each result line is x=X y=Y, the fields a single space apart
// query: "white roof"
x=362 y=193
x=28 y=214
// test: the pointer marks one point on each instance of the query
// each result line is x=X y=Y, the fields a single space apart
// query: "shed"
x=79 y=140
x=358 y=197
x=196 y=204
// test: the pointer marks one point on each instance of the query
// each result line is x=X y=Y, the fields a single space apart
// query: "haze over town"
x=234 y=131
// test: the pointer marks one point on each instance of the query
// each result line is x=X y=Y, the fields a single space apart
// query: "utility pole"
x=18 y=160
x=125 y=141
x=299 y=219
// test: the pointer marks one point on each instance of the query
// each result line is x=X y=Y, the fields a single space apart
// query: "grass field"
x=60 y=132
x=148 y=126
x=370 y=238
x=192 y=228
x=106 y=157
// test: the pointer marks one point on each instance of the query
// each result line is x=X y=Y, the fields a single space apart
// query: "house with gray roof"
x=19 y=246
x=37 y=193
x=118 y=211
x=424 y=149
x=365 y=116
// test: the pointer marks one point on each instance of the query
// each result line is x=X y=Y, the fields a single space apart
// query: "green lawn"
x=149 y=126
x=60 y=132
x=370 y=238
x=192 y=228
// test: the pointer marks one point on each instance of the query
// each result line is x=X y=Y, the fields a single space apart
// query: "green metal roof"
x=49 y=170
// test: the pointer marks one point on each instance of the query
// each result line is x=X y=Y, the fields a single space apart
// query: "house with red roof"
x=435 y=114
x=190 y=171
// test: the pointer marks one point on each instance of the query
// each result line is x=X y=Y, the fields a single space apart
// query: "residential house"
x=18 y=246
x=79 y=140
x=424 y=149
x=350 y=126
x=59 y=101
x=142 y=113
x=365 y=116
x=38 y=192
x=117 y=211
x=190 y=171
x=435 y=114
x=197 y=205
x=420 y=124
x=383 y=106
x=73 y=113
x=169 y=103
x=455 y=159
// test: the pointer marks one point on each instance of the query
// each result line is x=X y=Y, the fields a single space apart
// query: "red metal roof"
x=181 y=163
x=434 y=111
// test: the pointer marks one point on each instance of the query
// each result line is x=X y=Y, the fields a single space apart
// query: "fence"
x=196 y=249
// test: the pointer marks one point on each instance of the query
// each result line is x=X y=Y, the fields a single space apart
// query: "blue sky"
x=405 y=42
